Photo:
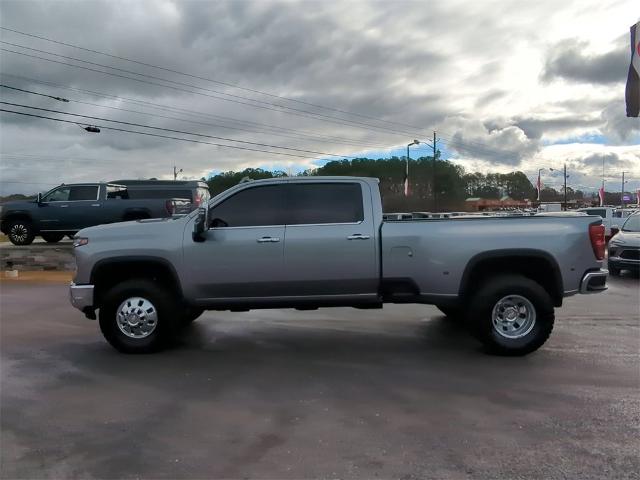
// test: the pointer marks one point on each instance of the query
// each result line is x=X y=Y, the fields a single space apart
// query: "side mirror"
x=39 y=199
x=200 y=225
x=614 y=229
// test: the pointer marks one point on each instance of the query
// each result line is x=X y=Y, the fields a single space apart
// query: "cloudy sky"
x=506 y=84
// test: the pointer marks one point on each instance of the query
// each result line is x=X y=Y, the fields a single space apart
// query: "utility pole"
x=565 y=187
x=622 y=191
x=176 y=172
x=435 y=194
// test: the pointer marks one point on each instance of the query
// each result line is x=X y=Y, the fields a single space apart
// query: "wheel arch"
x=534 y=264
x=16 y=215
x=108 y=272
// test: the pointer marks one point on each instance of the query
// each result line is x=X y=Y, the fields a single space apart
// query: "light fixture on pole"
x=406 y=170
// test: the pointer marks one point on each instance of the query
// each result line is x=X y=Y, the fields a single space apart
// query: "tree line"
x=453 y=185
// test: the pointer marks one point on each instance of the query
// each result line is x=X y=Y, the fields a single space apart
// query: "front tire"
x=511 y=315
x=52 y=237
x=613 y=270
x=138 y=316
x=20 y=232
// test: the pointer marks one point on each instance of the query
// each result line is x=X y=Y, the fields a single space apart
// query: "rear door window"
x=83 y=192
x=321 y=203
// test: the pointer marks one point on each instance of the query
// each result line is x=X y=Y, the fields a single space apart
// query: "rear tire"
x=138 y=316
x=20 y=232
x=52 y=237
x=511 y=315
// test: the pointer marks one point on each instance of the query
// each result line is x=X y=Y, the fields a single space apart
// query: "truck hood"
x=628 y=239
x=17 y=205
x=150 y=227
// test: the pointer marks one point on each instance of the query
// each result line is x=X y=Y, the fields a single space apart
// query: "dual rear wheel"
x=511 y=315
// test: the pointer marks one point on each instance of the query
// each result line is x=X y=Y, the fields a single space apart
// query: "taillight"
x=169 y=206
x=198 y=200
x=596 y=235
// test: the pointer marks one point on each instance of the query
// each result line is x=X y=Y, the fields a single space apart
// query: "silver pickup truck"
x=321 y=242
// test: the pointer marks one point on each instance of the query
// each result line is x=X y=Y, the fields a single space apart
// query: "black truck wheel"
x=511 y=315
x=20 y=232
x=52 y=237
x=138 y=316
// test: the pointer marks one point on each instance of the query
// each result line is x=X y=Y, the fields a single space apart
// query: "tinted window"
x=58 y=195
x=313 y=203
x=165 y=193
x=83 y=192
x=252 y=207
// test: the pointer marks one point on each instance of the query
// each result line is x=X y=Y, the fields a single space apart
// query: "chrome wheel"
x=137 y=317
x=513 y=316
x=19 y=232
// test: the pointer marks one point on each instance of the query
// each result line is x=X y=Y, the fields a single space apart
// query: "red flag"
x=638 y=197
x=601 y=195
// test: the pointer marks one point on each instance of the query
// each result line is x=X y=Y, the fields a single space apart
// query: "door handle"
x=95 y=204
x=64 y=206
x=358 y=236
x=268 y=240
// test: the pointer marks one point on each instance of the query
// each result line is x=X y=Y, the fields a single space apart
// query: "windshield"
x=632 y=224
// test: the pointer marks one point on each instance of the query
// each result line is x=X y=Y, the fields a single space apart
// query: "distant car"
x=195 y=191
x=624 y=247
x=610 y=216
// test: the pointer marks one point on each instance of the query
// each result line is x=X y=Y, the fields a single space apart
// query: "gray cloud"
x=441 y=66
x=566 y=60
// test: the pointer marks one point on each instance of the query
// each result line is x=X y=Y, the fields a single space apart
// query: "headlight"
x=80 y=241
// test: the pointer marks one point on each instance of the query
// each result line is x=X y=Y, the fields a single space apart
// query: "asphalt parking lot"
x=396 y=393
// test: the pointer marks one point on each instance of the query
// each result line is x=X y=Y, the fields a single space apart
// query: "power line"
x=265 y=105
x=155 y=134
x=207 y=79
x=172 y=130
x=296 y=134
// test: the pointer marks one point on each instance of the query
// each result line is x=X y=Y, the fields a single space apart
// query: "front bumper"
x=594 y=281
x=81 y=296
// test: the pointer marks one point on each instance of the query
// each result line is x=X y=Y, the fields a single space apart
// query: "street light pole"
x=406 y=171
x=565 y=187
x=176 y=172
x=539 y=185
x=622 y=191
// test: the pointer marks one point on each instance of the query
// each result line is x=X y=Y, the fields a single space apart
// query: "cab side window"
x=60 y=194
x=83 y=192
x=251 y=207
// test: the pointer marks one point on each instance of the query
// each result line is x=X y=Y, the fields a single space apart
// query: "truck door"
x=83 y=207
x=52 y=210
x=242 y=255
x=330 y=244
